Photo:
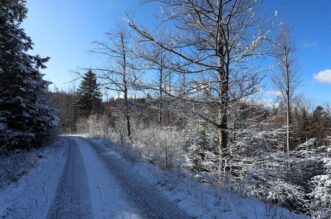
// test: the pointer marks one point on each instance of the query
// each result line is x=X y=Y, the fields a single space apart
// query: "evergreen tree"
x=25 y=118
x=303 y=126
x=197 y=145
x=89 y=96
x=320 y=124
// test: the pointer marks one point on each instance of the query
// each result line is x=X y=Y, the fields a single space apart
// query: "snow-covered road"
x=81 y=178
x=72 y=198
x=96 y=183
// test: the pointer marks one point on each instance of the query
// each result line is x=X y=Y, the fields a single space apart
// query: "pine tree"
x=303 y=126
x=197 y=145
x=25 y=119
x=320 y=125
x=89 y=96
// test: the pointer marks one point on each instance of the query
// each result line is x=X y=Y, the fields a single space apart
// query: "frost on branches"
x=300 y=181
x=321 y=189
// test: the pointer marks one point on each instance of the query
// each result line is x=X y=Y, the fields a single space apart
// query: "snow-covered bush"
x=286 y=194
x=201 y=144
x=299 y=181
x=196 y=145
x=260 y=169
x=321 y=196
x=163 y=146
x=321 y=189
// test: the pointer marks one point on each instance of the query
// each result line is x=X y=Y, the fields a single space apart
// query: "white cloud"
x=266 y=102
x=309 y=44
x=272 y=93
x=323 y=76
x=276 y=13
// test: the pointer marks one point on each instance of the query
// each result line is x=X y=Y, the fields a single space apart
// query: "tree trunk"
x=161 y=91
x=223 y=77
x=127 y=113
x=288 y=103
x=223 y=127
x=169 y=92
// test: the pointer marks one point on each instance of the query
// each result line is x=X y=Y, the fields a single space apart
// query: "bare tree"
x=286 y=79
x=156 y=61
x=212 y=40
x=120 y=73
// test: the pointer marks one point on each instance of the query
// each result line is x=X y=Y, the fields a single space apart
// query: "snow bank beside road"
x=32 y=195
x=16 y=165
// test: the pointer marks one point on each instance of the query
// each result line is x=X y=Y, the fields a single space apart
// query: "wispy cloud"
x=323 y=76
x=306 y=44
x=272 y=93
x=267 y=97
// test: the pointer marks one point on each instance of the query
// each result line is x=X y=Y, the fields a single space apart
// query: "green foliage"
x=25 y=119
x=89 y=96
x=321 y=123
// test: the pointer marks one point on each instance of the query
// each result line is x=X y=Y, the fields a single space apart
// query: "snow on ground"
x=116 y=188
x=78 y=180
x=200 y=200
x=127 y=186
x=107 y=197
x=33 y=193
x=72 y=199
x=16 y=165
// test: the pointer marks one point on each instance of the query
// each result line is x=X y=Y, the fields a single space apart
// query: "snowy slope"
x=32 y=195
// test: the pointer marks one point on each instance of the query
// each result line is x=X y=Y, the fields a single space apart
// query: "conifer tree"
x=320 y=124
x=25 y=119
x=89 y=96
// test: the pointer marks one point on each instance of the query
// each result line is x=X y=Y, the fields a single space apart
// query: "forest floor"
x=83 y=178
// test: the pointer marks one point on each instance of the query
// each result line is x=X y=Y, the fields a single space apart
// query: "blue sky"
x=64 y=30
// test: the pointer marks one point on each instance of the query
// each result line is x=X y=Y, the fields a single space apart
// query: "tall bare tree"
x=213 y=40
x=286 y=79
x=119 y=74
x=156 y=61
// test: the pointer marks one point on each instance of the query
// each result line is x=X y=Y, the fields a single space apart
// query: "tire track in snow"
x=141 y=194
x=72 y=198
x=107 y=196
